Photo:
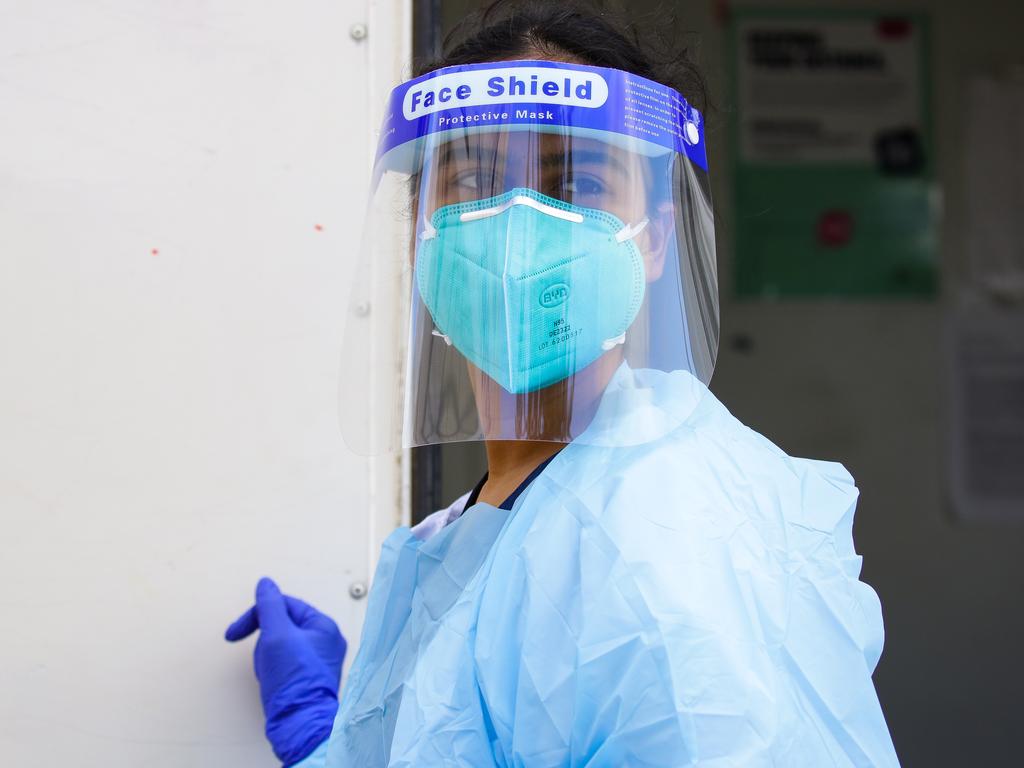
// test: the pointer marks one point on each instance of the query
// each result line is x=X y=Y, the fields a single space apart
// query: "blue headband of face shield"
x=530 y=289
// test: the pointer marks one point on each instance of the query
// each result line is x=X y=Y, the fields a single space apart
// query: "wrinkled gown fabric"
x=673 y=591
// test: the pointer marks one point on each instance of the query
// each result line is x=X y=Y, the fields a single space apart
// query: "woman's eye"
x=584 y=186
x=469 y=181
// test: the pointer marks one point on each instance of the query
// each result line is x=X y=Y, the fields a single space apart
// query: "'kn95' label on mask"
x=507 y=85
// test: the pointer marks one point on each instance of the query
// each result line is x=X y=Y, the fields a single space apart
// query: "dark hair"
x=573 y=30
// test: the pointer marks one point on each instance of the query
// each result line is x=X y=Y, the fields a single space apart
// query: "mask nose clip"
x=537 y=205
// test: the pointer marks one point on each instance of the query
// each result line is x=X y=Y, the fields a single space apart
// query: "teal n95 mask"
x=537 y=233
x=529 y=288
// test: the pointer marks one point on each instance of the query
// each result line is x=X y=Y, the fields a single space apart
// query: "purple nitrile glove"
x=298 y=660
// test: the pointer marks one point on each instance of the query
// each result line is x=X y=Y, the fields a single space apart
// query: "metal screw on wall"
x=357 y=32
x=357 y=590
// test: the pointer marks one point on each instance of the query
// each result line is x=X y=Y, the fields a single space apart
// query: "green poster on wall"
x=833 y=159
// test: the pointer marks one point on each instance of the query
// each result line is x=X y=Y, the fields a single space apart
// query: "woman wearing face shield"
x=638 y=579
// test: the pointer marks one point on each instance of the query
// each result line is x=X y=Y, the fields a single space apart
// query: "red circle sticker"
x=835 y=228
x=894 y=28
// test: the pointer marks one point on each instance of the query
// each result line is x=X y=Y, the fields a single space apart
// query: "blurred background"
x=181 y=193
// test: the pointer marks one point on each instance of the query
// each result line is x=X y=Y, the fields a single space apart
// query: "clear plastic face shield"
x=542 y=226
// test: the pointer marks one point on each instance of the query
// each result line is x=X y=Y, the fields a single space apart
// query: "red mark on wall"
x=318 y=227
x=155 y=252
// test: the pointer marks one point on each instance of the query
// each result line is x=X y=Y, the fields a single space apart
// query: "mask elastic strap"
x=440 y=335
x=609 y=344
x=629 y=231
x=429 y=232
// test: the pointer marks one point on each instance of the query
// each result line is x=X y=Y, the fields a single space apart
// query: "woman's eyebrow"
x=492 y=158
x=453 y=154
x=579 y=156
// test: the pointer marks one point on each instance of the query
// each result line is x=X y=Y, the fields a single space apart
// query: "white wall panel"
x=181 y=187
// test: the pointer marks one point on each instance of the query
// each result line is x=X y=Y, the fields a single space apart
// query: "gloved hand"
x=298 y=660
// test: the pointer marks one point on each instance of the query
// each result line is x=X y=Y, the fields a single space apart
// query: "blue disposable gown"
x=672 y=590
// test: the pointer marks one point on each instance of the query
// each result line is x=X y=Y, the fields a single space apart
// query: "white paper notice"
x=825 y=91
x=987 y=414
x=995 y=186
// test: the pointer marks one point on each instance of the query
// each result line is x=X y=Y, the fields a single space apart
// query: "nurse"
x=639 y=579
